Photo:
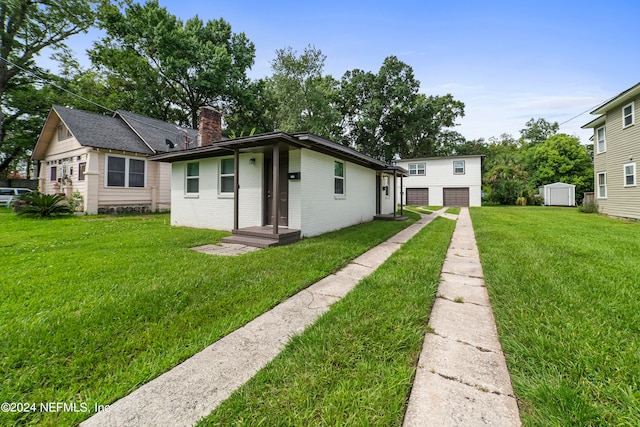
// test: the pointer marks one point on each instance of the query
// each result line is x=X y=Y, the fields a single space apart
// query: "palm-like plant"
x=41 y=205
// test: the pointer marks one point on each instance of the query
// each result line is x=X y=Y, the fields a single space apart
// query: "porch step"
x=262 y=237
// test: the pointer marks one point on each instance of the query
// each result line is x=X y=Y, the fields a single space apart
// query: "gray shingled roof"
x=156 y=132
x=100 y=131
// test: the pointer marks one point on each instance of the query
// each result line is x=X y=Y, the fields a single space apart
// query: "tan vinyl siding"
x=623 y=146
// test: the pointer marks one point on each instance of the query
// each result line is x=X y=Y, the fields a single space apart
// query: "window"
x=338 y=178
x=600 y=136
x=193 y=177
x=417 y=168
x=602 y=185
x=458 y=167
x=63 y=132
x=627 y=115
x=630 y=175
x=125 y=172
x=226 y=175
x=81 y=169
x=54 y=173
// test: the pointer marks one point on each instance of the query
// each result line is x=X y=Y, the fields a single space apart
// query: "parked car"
x=8 y=194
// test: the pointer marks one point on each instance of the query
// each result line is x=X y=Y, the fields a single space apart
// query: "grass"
x=92 y=308
x=564 y=289
x=355 y=365
x=423 y=209
x=453 y=211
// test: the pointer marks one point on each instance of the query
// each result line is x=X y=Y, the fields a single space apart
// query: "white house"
x=442 y=181
x=319 y=186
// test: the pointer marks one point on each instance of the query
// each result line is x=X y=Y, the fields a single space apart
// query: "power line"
x=41 y=78
x=33 y=73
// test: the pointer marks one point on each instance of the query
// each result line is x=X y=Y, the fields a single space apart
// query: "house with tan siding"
x=105 y=159
x=442 y=181
x=274 y=188
x=616 y=140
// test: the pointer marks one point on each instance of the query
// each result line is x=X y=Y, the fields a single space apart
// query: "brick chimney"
x=210 y=126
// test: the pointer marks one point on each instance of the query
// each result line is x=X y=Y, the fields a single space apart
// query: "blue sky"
x=508 y=61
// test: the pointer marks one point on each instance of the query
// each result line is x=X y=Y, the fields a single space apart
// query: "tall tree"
x=304 y=98
x=385 y=116
x=169 y=63
x=26 y=28
x=535 y=132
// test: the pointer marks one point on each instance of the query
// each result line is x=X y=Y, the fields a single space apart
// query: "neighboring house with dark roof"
x=616 y=140
x=105 y=159
x=277 y=187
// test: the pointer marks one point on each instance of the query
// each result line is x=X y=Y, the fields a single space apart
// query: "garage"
x=456 y=196
x=559 y=194
x=418 y=196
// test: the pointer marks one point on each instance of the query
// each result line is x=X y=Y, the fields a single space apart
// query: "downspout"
x=401 y=195
x=276 y=188
x=236 y=188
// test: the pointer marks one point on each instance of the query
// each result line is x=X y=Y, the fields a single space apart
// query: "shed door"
x=456 y=196
x=559 y=197
x=418 y=196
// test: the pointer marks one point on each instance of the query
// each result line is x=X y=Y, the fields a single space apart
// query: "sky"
x=508 y=61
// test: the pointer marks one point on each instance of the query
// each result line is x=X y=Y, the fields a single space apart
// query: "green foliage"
x=29 y=27
x=590 y=206
x=76 y=201
x=166 y=63
x=37 y=204
x=384 y=116
x=535 y=132
x=521 y=201
x=561 y=158
x=304 y=98
x=117 y=301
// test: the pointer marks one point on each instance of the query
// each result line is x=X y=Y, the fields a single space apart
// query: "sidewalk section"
x=462 y=377
x=193 y=389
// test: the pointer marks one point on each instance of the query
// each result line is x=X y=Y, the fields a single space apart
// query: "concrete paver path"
x=197 y=386
x=462 y=377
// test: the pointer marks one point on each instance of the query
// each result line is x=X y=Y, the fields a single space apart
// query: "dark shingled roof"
x=100 y=131
x=155 y=133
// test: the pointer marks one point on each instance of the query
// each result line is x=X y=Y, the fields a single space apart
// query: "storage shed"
x=559 y=194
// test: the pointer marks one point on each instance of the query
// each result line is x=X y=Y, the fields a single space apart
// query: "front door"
x=283 y=198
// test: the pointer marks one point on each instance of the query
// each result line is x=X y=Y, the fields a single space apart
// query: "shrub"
x=42 y=205
x=521 y=201
x=588 y=207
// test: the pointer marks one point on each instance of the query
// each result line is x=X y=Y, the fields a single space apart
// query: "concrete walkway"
x=462 y=378
x=197 y=386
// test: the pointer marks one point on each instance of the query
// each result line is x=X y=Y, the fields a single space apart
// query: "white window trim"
x=598 y=184
x=463 y=167
x=187 y=194
x=624 y=174
x=342 y=195
x=225 y=194
x=126 y=171
x=633 y=119
x=417 y=169
x=604 y=140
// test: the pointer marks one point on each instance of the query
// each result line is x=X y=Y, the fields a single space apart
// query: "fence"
x=588 y=198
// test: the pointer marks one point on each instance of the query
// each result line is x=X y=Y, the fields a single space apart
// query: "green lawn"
x=92 y=308
x=355 y=365
x=564 y=287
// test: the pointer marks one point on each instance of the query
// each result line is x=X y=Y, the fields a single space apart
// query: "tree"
x=535 y=132
x=171 y=67
x=303 y=98
x=385 y=117
x=561 y=158
x=26 y=28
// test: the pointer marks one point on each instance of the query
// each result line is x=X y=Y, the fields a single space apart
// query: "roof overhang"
x=595 y=123
x=47 y=132
x=618 y=100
